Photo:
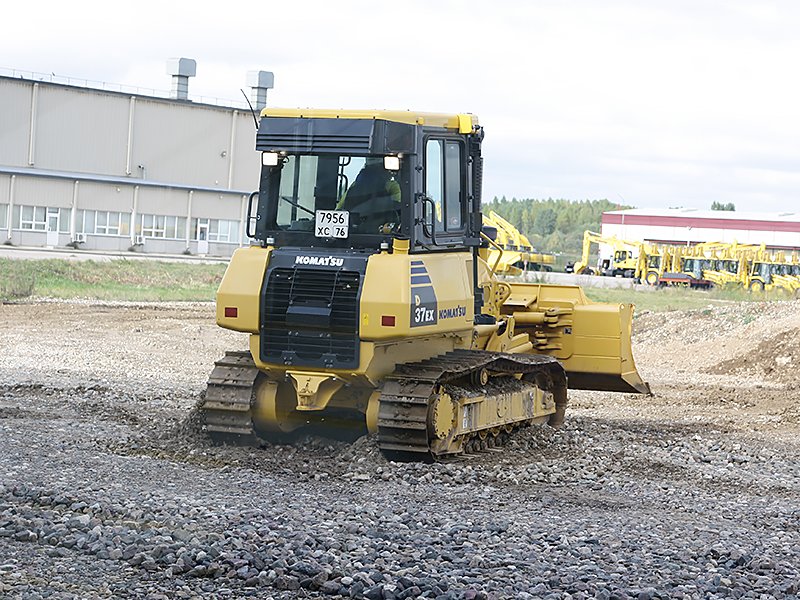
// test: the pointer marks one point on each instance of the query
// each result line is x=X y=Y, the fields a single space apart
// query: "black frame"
x=445 y=239
x=315 y=136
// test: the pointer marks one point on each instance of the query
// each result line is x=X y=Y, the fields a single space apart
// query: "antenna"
x=252 y=110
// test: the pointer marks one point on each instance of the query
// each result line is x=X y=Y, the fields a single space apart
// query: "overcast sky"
x=647 y=103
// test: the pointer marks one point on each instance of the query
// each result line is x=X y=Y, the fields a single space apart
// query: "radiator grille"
x=310 y=318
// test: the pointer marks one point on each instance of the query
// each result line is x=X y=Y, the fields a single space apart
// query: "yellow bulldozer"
x=513 y=254
x=370 y=304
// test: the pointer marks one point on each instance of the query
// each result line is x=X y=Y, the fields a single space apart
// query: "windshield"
x=780 y=269
x=335 y=196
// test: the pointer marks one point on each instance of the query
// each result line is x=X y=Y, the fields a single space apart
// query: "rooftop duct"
x=181 y=69
x=260 y=82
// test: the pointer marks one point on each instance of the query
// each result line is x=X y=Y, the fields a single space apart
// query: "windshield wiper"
x=300 y=206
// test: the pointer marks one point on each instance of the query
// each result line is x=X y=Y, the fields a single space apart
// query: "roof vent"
x=260 y=82
x=181 y=69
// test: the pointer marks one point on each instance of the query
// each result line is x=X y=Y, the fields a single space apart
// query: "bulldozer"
x=371 y=306
x=517 y=254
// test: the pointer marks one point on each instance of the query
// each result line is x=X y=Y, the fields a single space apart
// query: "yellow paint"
x=314 y=390
x=241 y=287
x=467 y=123
x=457 y=122
x=387 y=290
x=373 y=404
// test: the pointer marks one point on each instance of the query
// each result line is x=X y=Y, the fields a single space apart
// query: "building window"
x=175 y=228
x=102 y=222
x=3 y=216
x=39 y=218
x=215 y=230
x=33 y=217
x=58 y=219
x=162 y=226
x=63 y=220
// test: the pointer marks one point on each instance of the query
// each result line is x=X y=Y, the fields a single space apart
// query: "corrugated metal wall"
x=132 y=154
x=80 y=130
x=38 y=191
x=696 y=234
x=216 y=206
x=163 y=201
x=5 y=188
x=104 y=196
x=182 y=146
x=15 y=121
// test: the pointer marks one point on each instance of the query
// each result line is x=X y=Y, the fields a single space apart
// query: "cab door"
x=441 y=209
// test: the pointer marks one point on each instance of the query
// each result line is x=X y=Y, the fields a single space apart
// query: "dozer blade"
x=592 y=340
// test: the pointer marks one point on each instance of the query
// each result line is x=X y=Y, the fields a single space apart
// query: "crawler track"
x=404 y=413
x=227 y=407
x=404 y=416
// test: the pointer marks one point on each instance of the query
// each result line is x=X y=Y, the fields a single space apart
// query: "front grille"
x=310 y=318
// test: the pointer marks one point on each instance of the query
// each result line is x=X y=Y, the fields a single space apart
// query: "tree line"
x=553 y=225
x=557 y=225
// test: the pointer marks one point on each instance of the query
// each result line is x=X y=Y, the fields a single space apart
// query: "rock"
x=287 y=582
x=330 y=588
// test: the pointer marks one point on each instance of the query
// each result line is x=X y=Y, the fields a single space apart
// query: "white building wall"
x=183 y=146
x=5 y=188
x=244 y=162
x=38 y=191
x=15 y=121
x=79 y=130
x=53 y=135
x=162 y=201
x=216 y=206
x=693 y=235
x=104 y=196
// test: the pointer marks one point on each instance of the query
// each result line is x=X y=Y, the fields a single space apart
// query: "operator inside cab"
x=374 y=195
x=333 y=196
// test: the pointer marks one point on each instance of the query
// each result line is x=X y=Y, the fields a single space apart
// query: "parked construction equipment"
x=515 y=255
x=627 y=259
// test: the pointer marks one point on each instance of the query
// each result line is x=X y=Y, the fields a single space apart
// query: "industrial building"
x=687 y=226
x=105 y=169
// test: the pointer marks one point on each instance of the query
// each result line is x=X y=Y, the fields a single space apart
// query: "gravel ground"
x=108 y=489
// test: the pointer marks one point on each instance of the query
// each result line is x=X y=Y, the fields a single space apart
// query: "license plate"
x=332 y=223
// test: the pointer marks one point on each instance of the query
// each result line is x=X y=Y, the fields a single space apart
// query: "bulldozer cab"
x=362 y=181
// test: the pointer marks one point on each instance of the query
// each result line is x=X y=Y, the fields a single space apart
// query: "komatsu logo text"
x=452 y=313
x=320 y=261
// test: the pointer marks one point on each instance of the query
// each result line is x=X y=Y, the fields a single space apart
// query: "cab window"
x=443 y=183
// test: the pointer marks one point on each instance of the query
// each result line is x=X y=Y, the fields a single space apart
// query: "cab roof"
x=463 y=123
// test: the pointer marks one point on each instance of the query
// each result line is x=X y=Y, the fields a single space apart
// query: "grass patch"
x=674 y=298
x=156 y=281
x=134 y=280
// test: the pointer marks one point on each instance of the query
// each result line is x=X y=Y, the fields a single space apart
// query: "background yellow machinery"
x=627 y=258
x=720 y=264
x=512 y=253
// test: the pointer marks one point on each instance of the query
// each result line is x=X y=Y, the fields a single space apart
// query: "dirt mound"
x=776 y=359
x=719 y=340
